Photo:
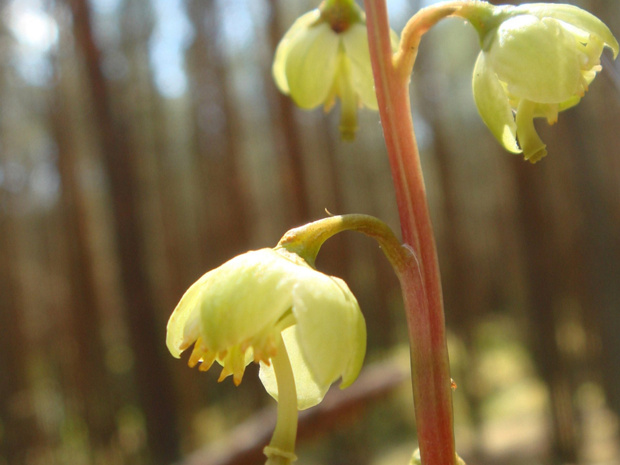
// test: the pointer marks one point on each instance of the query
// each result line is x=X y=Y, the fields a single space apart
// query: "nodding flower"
x=536 y=60
x=272 y=307
x=239 y=313
x=323 y=57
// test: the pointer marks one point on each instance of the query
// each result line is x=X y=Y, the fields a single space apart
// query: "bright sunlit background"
x=143 y=142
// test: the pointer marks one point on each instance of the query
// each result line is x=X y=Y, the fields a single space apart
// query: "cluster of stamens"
x=233 y=360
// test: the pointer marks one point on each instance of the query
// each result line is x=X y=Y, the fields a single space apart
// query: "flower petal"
x=245 y=296
x=574 y=16
x=358 y=337
x=355 y=40
x=328 y=329
x=537 y=59
x=493 y=105
x=184 y=323
x=311 y=64
x=298 y=28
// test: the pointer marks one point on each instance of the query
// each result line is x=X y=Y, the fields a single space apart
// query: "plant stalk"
x=420 y=281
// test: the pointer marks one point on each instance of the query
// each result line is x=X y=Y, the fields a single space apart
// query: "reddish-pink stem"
x=421 y=284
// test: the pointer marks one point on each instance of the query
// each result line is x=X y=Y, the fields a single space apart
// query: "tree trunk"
x=155 y=388
x=289 y=144
x=545 y=262
x=226 y=205
x=91 y=387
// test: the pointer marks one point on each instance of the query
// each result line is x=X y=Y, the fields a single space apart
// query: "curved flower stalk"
x=536 y=60
x=323 y=57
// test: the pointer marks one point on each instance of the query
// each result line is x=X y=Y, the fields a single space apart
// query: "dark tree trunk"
x=154 y=384
x=545 y=264
x=91 y=385
x=227 y=205
x=20 y=433
x=289 y=144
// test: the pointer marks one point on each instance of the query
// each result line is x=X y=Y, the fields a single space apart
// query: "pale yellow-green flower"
x=236 y=314
x=324 y=56
x=271 y=306
x=536 y=60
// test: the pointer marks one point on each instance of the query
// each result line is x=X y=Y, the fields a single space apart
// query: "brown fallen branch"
x=244 y=445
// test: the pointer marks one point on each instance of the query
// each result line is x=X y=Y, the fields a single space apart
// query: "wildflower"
x=239 y=313
x=325 y=56
x=536 y=60
x=271 y=306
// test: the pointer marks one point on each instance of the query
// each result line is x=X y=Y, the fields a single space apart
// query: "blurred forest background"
x=143 y=142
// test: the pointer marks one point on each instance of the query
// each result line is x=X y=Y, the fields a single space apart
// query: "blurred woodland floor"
x=143 y=142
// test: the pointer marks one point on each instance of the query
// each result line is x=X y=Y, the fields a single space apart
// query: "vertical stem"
x=420 y=282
